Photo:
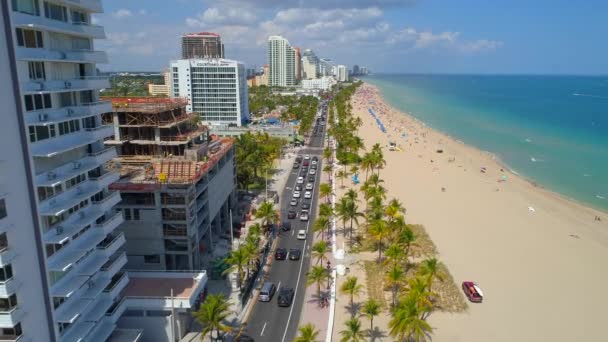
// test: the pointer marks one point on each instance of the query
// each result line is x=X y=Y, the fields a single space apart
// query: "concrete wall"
x=220 y=187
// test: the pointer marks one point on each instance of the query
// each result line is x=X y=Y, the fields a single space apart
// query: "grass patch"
x=424 y=246
x=374 y=278
x=449 y=295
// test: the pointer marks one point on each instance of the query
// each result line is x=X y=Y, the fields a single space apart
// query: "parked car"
x=295 y=254
x=304 y=215
x=312 y=171
x=296 y=194
x=309 y=186
x=301 y=234
x=280 y=254
x=291 y=214
x=267 y=292
x=300 y=180
x=285 y=296
x=293 y=202
x=472 y=291
x=314 y=162
x=307 y=156
x=308 y=194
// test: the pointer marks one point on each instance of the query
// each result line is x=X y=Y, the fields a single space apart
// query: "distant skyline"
x=396 y=36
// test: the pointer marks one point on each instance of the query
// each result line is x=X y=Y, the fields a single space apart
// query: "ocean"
x=552 y=130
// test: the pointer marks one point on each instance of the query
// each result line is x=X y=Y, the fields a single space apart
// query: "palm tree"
x=419 y=290
x=430 y=269
x=342 y=175
x=371 y=309
x=320 y=224
x=325 y=210
x=317 y=275
x=327 y=153
x=351 y=212
x=319 y=250
x=375 y=209
x=352 y=195
x=267 y=213
x=328 y=169
x=407 y=238
x=378 y=231
x=308 y=333
x=352 y=288
x=238 y=260
x=367 y=164
x=406 y=323
x=394 y=278
x=325 y=191
x=353 y=332
x=394 y=209
x=394 y=254
x=211 y=313
x=342 y=212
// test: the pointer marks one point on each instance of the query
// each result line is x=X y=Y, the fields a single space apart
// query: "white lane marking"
x=279 y=286
x=293 y=232
x=263 y=328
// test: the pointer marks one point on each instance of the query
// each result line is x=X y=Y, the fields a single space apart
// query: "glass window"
x=36 y=70
x=79 y=17
x=2 y=208
x=29 y=38
x=136 y=214
x=152 y=259
x=37 y=101
x=26 y=6
x=55 y=12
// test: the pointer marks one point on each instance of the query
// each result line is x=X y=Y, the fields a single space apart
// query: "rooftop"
x=198 y=34
x=146 y=104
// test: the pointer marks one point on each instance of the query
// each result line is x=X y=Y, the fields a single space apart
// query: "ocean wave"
x=534 y=160
x=528 y=140
x=600 y=197
x=586 y=175
x=591 y=95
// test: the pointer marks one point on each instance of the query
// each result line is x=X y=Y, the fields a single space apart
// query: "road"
x=268 y=321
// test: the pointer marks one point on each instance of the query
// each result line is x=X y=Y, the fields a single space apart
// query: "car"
x=280 y=254
x=293 y=202
x=314 y=162
x=312 y=172
x=305 y=163
x=303 y=215
x=267 y=292
x=307 y=156
x=285 y=296
x=298 y=159
x=309 y=186
x=298 y=187
x=291 y=214
x=305 y=205
x=311 y=179
x=308 y=194
x=286 y=226
x=296 y=166
x=472 y=291
x=296 y=194
x=313 y=166
x=304 y=171
x=300 y=180
x=301 y=234
x=295 y=254
x=315 y=158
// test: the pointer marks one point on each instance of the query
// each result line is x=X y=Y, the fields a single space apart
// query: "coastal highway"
x=268 y=321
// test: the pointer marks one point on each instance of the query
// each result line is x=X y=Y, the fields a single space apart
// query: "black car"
x=285 y=296
x=296 y=165
x=291 y=214
x=281 y=254
x=298 y=159
x=311 y=179
x=305 y=205
x=298 y=187
x=286 y=226
x=304 y=171
x=294 y=254
x=313 y=166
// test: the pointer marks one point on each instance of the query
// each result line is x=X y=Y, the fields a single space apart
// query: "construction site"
x=178 y=184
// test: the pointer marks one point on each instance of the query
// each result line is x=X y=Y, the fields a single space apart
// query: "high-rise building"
x=342 y=73
x=310 y=65
x=298 y=61
x=60 y=255
x=216 y=89
x=202 y=45
x=281 y=60
x=355 y=70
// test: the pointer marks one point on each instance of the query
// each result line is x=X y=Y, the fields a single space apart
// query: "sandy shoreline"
x=538 y=256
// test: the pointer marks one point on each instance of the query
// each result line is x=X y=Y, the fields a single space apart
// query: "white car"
x=307 y=194
x=309 y=186
x=296 y=194
x=294 y=202
x=312 y=171
x=306 y=157
x=314 y=162
x=301 y=234
x=300 y=180
x=304 y=215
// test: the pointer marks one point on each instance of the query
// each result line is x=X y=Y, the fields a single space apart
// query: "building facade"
x=298 y=61
x=202 y=45
x=216 y=89
x=64 y=255
x=281 y=62
x=322 y=83
x=342 y=73
x=158 y=89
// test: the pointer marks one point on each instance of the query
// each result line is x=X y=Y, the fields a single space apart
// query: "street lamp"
x=328 y=274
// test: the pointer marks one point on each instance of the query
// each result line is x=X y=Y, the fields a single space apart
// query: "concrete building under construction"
x=177 y=183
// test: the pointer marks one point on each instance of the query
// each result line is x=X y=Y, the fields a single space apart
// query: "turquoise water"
x=550 y=129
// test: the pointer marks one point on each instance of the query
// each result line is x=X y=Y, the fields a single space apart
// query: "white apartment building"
x=216 y=89
x=342 y=73
x=322 y=83
x=60 y=255
x=281 y=60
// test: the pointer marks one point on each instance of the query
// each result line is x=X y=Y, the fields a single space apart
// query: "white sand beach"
x=540 y=259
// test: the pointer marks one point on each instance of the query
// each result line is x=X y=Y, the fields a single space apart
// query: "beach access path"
x=539 y=258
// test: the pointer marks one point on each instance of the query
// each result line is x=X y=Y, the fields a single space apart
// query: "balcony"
x=98 y=308
x=110 y=224
x=60 y=232
x=93 y=6
x=75 y=84
x=74 y=251
x=51 y=147
x=52 y=116
x=8 y=287
x=12 y=338
x=68 y=171
x=8 y=319
x=46 y=24
x=115 y=264
x=70 y=310
x=78 y=332
x=109 y=200
x=111 y=244
x=102 y=330
x=6 y=255
x=118 y=283
x=116 y=310
x=73 y=196
x=72 y=56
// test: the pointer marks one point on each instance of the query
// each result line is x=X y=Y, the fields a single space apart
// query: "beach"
x=538 y=257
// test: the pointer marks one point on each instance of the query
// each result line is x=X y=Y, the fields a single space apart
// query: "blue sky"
x=427 y=36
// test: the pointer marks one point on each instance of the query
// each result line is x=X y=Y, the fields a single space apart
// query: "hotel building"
x=281 y=61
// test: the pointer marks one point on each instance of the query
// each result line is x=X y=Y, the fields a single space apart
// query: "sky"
x=390 y=36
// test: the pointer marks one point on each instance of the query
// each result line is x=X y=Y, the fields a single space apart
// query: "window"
x=36 y=70
x=2 y=208
x=79 y=17
x=81 y=44
x=38 y=133
x=68 y=127
x=152 y=259
x=75 y=181
x=29 y=38
x=127 y=214
x=3 y=242
x=14 y=331
x=37 y=102
x=45 y=192
x=55 y=12
x=7 y=304
x=26 y=6
x=136 y=214
x=6 y=273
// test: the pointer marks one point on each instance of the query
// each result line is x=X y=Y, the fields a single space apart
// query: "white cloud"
x=122 y=13
x=142 y=12
x=214 y=16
